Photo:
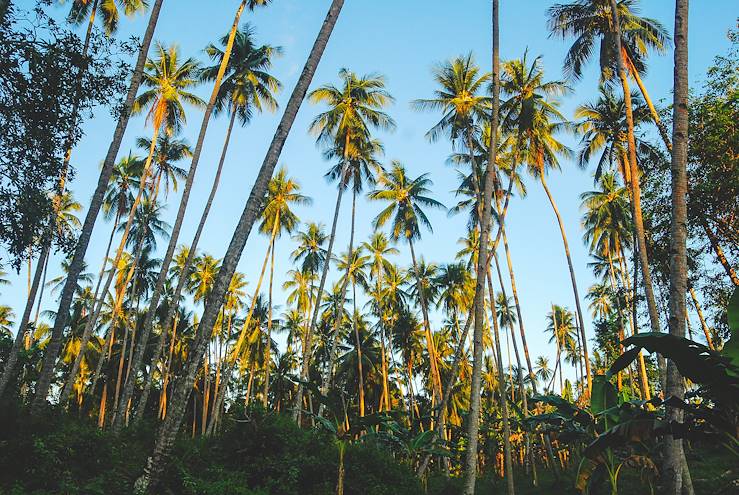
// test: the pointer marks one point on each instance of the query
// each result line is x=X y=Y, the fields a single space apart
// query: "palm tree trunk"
x=328 y=372
x=12 y=361
x=175 y=234
x=720 y=254
x=634 y=178
x=78 y=259
x=673 y=448
x=704 y=325
x=41 y=293
x=431 y=348
x=171 y=424
x=268 y=349
x=324 y=274
x=586 y=357
x=652 y=111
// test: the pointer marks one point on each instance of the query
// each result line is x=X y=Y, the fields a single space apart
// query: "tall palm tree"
x=242 y=86
x=78 y=258
x=407 y=198
x=622 y=35
x=536 y=121
x=167 y=152
x=677 y=475
x=354 y=265
x=560 y=324
x=355 y=110
x=171 y=424
x=311 y=256
x=379 y=249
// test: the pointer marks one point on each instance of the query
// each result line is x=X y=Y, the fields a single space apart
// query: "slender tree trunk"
x=673 y=448
x=11 y=363
x=704 y=325
x=720 y=254
x=268 y=350
x=481 y=271
x=652 y=111
x=170 y=426
x=328 y=372
x=358 y=342
x=41 y=293
x=586 y=356
x=77 y=264
x=175 y=234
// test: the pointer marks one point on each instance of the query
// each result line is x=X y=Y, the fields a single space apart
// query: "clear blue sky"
x=402 y=40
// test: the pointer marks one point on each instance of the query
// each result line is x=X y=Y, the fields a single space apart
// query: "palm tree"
x=590 y=22
x=167 y=152
x=6 y=320
x=246 y=88
x=108 y=11
x=407 y=197
x=355 y=109
x=168 y=80
x=311 y=256
x=604 y=19
x=78 y=258
x=536 y=120
x=171 y=424
x=677 y=475
x=543 y=372
x=378 y=248
x=354 y=265
x=561 y=327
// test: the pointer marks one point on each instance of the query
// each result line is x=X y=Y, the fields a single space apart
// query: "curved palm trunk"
x=304 y=372
x=730 y=271
x=652 y=111
x=171 y=424
x=98 y=305
x=675 y=469
x=77 y=264
x=175 y=234
x=633 y=173
x=584 y=338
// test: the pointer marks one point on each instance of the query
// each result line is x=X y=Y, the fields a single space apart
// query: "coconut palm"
x=536 y=120
x=354 y=111
x=172 y=422
x=560 y=324
x=167 y=152
x=407 y=199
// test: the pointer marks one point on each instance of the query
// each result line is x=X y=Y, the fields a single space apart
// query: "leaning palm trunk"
x=268 y=344
x=305 y=369
x=481 y=269
x=674 y=467
x=704 y=325
x=77 y=264
x=9 y=371
x=585 y=355
x=171 y=424
x=430 y=347
x=501 y=392
x=175 y=234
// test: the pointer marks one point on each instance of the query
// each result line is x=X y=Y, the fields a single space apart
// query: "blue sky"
x=401 y=39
